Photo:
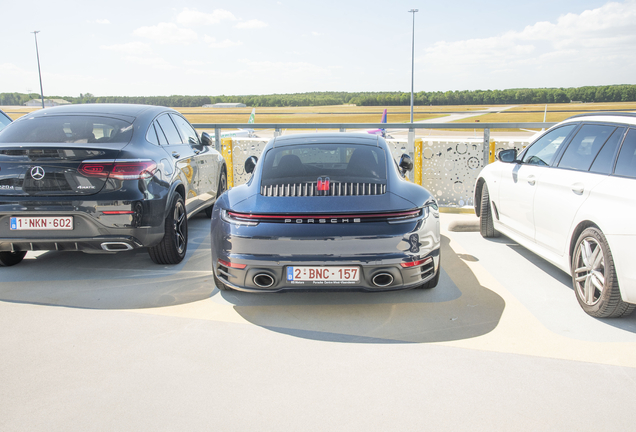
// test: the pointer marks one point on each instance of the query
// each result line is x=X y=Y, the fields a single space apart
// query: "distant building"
x=47 y=102
x=225 y=105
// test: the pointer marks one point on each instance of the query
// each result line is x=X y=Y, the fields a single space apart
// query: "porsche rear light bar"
x=121 y=170
x=253 y=219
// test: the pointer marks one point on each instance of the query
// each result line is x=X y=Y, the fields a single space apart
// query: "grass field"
x=556 y=113
x=365 y=114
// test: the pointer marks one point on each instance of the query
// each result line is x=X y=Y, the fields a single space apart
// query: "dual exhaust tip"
x=264 y=280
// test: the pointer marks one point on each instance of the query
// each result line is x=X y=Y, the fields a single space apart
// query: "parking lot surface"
x=116 y=342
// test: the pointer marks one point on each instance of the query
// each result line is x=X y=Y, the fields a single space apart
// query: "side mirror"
x=406 y=163
x=205 y=139
x=250 y=164
x=507 y=156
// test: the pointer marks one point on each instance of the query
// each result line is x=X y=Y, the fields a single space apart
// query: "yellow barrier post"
x=226 y=151
x=417 y=173
x=491 y=156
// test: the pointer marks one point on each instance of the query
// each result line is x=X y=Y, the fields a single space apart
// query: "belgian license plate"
x=42 y=223
x=323 y=274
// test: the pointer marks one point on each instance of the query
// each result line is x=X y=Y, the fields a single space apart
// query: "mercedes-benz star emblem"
x=37 y=173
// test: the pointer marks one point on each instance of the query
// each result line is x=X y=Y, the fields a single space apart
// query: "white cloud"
x=102 y=21
x=192 y=17
x=166 y=33
x=10 y=69
x=196 y=63
x=151 y=62
x=316 y=33
x=224 y=44
x=303 y=70
x=597 y=41
x=131 y=48
x=251 y=24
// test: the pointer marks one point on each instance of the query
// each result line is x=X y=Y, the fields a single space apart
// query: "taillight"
x=95 y=169
x=119 y=170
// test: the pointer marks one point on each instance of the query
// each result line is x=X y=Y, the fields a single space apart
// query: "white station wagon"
x=570 y=197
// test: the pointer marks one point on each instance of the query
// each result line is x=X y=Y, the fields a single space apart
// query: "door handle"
x=578 y=188
x=531 y=180
x=175 y=155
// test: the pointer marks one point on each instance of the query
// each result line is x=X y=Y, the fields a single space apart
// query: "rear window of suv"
x=77 y=129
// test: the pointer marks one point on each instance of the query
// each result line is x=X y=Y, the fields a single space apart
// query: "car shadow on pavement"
x=458 y=308
x=627 y=323
x=125 y=280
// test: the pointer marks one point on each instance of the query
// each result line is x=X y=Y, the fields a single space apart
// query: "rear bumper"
x=375 y=248
x=402 y=278
x=93 y=228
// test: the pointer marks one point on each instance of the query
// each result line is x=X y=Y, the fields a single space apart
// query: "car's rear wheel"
x=222 y=188
x=173 y=246
x=8 y=259
x=486 y=226
x=220 y=285
x=594 y=277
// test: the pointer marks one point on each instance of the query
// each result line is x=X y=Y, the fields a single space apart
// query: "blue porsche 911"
x=327 y=211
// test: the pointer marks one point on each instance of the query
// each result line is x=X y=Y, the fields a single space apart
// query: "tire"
x=220 y=285
x=594 y=277
x=8 y=259
x=432 y=283
x=486 y=226
x=173 y=246
x=222 y=188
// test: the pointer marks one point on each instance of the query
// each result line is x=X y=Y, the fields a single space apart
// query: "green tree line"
x=610 y=93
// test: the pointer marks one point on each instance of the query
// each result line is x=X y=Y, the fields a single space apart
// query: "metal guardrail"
x=447 y=166
x=342 y=127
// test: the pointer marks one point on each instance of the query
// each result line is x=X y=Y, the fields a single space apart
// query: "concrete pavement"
x=115 y=342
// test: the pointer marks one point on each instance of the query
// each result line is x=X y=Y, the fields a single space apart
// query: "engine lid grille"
x=306 y=189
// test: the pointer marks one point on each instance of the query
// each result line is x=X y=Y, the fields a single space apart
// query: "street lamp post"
x=37 y=53
x=411 y=134
x=412 y=60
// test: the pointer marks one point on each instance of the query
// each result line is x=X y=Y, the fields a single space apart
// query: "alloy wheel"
x=180 y=227
x=589 y=273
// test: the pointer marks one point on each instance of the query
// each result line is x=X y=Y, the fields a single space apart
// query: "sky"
x=241 y=47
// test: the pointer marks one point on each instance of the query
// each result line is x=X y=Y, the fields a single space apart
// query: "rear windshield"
x=339 y=162
x=68 y=129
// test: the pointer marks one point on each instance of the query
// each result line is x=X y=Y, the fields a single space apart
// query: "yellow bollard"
x=417 y=173
x=226 y=151
x=491 y=155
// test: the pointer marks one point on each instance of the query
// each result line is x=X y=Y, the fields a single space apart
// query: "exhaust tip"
x=116 y=246
x=382 y=279
x=263 y=280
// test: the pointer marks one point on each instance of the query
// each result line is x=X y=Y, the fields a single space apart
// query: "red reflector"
x=232 y=265
x=118 y=212
x=323 y=184
x=416 y=263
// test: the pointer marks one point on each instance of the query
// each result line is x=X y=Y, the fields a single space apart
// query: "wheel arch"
x=479 y=185
x=582 y=226
x=176 y=188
